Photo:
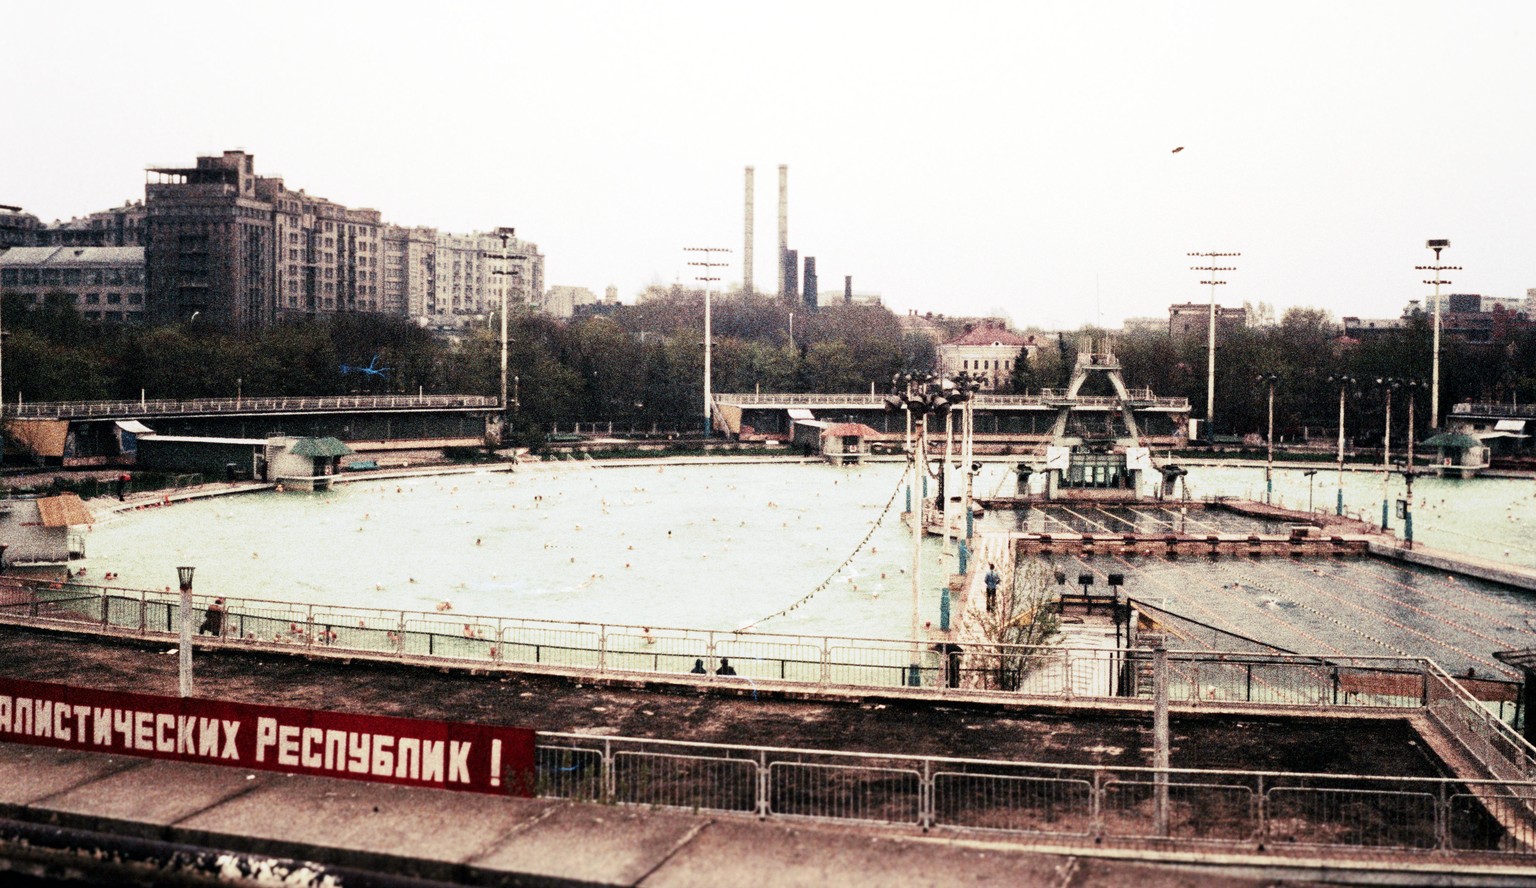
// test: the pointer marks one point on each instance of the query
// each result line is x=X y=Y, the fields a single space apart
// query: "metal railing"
x=1488 y=408
x=163 y=407
x=1055 y=802
x=1050 y=672
x=1046 y=398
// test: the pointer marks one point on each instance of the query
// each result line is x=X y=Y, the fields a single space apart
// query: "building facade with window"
x=988 y=350
x=103 y=283
x=245 y=250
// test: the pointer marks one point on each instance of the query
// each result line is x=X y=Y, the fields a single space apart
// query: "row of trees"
x=644 y=363
x=1303 y=351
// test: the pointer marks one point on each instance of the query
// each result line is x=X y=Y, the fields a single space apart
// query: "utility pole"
x=1436 y=244
x=707 y=277
x=1210 y=344
x=506 y=235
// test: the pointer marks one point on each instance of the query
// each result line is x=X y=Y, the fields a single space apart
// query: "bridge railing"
x=163 y=407
x=1047 y=398
x=1204 y=810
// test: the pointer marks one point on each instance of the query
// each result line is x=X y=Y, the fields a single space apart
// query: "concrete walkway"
x=358 y=829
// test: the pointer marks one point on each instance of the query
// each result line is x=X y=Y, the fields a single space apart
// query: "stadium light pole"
x=1344 y=383
x=1436 y=244
x=1269 y=458
x=507 y=235
x=1210 y=345
x=706 y=267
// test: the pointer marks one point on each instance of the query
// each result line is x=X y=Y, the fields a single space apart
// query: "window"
x=114 y=299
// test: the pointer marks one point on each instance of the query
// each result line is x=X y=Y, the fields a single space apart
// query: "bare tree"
x=1025 y=616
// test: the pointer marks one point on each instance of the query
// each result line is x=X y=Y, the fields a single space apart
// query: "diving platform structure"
x=1101 y=454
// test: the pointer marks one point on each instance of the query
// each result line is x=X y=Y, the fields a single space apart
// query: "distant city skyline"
x=1013 y=159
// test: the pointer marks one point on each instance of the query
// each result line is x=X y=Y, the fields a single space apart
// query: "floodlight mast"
x=706 y=277
x=1436 y=244
x=1210 y=346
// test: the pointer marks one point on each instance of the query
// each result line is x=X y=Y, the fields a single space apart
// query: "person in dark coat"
x=213 y=619
x=698 y=668
x=725 y=667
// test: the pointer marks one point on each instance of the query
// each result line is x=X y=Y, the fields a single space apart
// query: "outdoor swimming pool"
x=721 y=546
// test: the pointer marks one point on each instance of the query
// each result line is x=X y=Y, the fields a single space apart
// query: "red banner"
x=382 y=749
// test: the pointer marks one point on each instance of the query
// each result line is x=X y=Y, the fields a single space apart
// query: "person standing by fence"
x=992 y=579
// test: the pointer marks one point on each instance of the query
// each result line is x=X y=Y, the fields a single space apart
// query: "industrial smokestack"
x=847 y=289
x=789 y=273
x=746 y=253
x=784 y=232
x=809 y=290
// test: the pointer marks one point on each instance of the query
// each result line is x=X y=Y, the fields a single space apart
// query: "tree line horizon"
x=642 y=364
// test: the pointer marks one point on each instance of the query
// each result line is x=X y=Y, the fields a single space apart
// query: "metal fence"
x=1070 y=803
x=1055 y=672
x=166 y=407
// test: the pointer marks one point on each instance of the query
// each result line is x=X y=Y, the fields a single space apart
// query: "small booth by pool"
x=1458 y=455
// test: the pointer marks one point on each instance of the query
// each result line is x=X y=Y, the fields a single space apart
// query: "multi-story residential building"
x=118 y=227
x=104 y=283
x=243 y=249
x=562 y=301
x=1194 y=318
x=18 y=229
x=987 y=350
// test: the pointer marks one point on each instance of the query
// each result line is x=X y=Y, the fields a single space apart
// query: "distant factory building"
x=1194 y=319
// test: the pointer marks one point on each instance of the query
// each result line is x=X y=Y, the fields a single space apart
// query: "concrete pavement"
x=354 y=832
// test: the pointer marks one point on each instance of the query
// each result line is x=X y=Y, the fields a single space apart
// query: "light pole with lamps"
x=918 y=395
x=1269 y=440
x=1436 y=244
x=706 y=266
x=1387 y=385
x=1344 y=383
x=184 y=673
x=1210 y=344
x=507 y=235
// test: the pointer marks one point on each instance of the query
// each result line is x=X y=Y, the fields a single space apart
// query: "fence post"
x=602 y=647
x=826 y=661
x=106 y=604
x=1442 y=820
x=400 y=636
x=762 y=784
x=610 y=787
x=925 y=804
x=1160 y=737
x=1263 y=825
x=143 y=611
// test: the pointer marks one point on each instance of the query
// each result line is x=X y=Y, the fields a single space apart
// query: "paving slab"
x=146 y=801
x=32 y=773
x=588 y=842
x=364 y=824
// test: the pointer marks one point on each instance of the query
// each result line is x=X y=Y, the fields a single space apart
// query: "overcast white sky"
x=960 y=158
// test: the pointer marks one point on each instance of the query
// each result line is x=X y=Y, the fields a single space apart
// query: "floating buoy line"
x=748 y=627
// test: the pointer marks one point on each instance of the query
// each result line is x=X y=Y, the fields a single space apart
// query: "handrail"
x=299 y=404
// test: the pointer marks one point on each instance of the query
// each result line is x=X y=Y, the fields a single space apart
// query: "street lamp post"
x=184 y=683
x=706 y=266
x=1210 y=345
x=1344 y=383
x=1311 y=475
x=1269 y=439
x=1411 y=386
x=1436 y=244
